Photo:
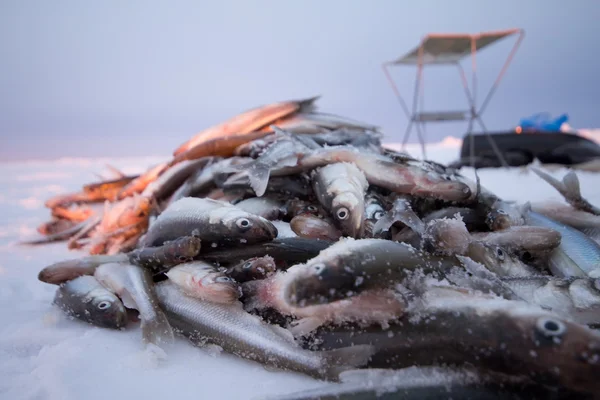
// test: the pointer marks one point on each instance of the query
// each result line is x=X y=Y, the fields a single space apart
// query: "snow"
x=47 y=356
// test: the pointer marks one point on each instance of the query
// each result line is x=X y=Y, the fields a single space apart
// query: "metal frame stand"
x=419 y=119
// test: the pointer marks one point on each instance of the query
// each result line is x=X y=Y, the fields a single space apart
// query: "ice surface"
x=45 y=355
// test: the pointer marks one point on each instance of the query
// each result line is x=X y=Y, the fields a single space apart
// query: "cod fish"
x=341 y=189
x=134 y=286
x=247 y=336
x=86 y=299
x=201 y=280
x=214 y=222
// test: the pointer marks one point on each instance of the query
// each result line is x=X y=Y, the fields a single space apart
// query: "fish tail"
x=346 y=358
x=157 y=330
x=259 y=174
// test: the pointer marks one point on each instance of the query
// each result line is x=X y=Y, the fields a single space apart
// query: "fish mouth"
x=269 y=230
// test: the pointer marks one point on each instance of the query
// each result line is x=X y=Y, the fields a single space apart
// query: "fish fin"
x=304 y=326
x=116 y=172
x=286 y=334
x=347 y=358
x=259 y=174
x=571 y=185
x=157 y=330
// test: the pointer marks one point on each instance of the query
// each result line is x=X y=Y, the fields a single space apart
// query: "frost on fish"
x=366 y=308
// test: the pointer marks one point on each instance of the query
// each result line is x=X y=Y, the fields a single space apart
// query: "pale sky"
x=117 y=78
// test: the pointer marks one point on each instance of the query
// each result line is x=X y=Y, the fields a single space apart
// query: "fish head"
x=244 y=227
x=504 y=215
x=181 y=250
x=106 y=309
x=558 y=350
x=493 y=257
x=219 y=288
x=257 y=267
x=319 y=281
x=348 y=211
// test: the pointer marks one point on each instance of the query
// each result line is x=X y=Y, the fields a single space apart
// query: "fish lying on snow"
x=245 y=335
x=86 y=299
x=134 y=286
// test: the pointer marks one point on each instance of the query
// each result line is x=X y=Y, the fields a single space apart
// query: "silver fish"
x=577 y=254
x=210 y=220
x=86 y=299
x=341 y=189
x=583 y=221
x=134 y=286
x=246 y=335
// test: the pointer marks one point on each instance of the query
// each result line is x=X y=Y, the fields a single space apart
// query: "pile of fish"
x=295 y=239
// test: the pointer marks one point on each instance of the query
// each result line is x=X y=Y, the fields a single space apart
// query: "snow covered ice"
x=45 y=355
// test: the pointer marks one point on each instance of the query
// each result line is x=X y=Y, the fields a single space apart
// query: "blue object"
x=543 y=122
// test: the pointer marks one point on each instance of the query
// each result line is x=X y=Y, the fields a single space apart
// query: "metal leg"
x=492 y=143
x=407 y=133
x=421 y=140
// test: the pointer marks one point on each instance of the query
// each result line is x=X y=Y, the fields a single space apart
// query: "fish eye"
x=103 y=305
x=311 y=208
x=550 y=327
x=342 y=213
x=247 y=265
x=243 y=223
x=223 y=279
x=319 y=267
x=182 y=258
x=378 y=215
x=500 y=253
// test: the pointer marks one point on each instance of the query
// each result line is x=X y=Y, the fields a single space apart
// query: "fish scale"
x=247 y=336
